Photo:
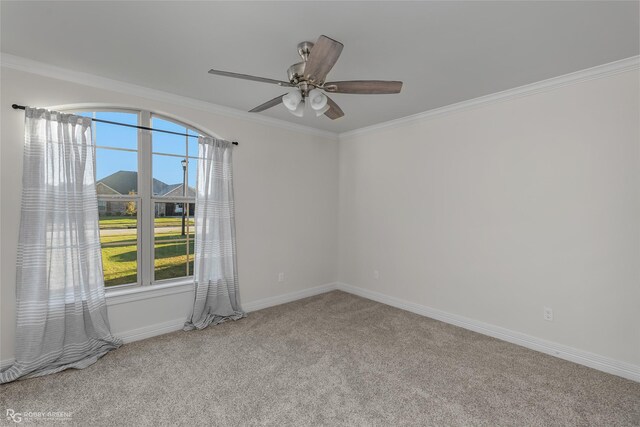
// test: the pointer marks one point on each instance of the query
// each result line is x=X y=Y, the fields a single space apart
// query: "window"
x=146 y=197
x=174 y=167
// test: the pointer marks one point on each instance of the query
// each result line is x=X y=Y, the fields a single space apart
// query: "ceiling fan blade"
x=364 y=87
x=248 y=77
x=271 y=103
x=334 y=112
x=322 y=58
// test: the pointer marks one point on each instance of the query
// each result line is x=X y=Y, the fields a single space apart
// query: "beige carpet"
x=333 y=359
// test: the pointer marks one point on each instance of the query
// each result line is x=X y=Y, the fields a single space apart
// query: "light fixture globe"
x=322 y=110
x=292 y=100
x=299 y=111
x=317 y=99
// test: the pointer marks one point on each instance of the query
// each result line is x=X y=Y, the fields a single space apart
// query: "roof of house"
x=175 y=190
x=124 y=182
x=103 y=188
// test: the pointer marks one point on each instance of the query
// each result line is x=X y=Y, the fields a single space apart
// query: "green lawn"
x=120 y=222
x=119 y=256
x=132 y=238
x=120 y=262
x=120 y=265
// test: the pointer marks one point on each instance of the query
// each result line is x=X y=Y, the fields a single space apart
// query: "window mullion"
x=145 y=261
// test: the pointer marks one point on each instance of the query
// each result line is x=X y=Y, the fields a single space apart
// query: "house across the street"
x=124 y=183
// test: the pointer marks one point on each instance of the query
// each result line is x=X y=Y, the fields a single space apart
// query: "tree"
x=131 y=208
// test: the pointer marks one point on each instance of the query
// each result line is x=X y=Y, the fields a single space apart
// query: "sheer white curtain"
x=61 y=319
x=215 y=269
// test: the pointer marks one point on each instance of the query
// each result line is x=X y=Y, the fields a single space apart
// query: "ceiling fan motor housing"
x=296 y=72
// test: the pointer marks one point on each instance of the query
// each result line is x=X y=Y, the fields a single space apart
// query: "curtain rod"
x=22 y=107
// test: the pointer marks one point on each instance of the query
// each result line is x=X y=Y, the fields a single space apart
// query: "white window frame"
x=174 y=199
x=145 y=201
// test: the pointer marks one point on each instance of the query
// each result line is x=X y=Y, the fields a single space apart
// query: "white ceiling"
x=445 y=52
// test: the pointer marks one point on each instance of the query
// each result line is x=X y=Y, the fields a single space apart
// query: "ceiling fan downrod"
x=295 y=73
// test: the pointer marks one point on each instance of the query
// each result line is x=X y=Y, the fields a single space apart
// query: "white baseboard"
x=177 y=324
x=285 y=298
x=595 y=361
x=151 y=330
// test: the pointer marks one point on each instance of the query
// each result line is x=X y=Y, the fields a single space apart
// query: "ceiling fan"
x=308 y=79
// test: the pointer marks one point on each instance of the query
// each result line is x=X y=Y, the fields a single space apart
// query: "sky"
x=167 y=169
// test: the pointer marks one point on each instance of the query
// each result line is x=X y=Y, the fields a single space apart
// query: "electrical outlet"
x=547 y=314
x=280 y=277
x=376 y=274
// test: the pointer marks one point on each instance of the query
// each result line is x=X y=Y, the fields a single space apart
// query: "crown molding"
x=36 y=67
x=41 y=68
x=609 y=69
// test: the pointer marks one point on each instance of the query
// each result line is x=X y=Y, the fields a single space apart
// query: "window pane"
x=192 y=173
x=110 y=135
x=168 y=222
x=193 y=144
x=116 y=172
x=171 y=260
x=167 y=143
x=119 y=241
x=173 y=240
x=169 y=175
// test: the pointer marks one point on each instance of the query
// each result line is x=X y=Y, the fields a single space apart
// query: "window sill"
x=137 y=293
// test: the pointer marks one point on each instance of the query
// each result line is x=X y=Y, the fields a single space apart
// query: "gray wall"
x=494 y=212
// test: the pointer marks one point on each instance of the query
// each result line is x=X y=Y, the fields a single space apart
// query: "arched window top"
x=83 y=108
